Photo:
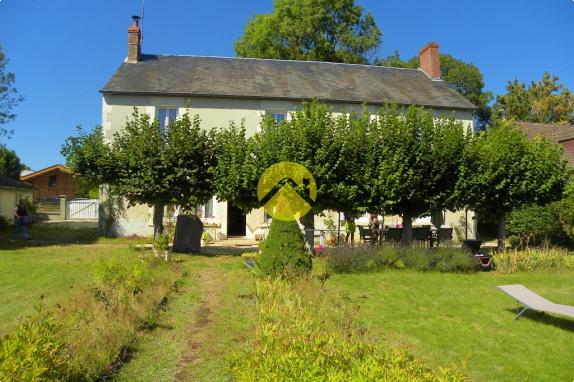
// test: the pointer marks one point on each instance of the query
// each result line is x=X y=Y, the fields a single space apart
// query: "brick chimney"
x=134 y=41
x=430 y=60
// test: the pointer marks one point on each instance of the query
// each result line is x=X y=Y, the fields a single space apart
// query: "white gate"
x=82 y=209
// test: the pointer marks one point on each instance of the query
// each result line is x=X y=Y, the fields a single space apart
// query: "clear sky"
x=63 y=51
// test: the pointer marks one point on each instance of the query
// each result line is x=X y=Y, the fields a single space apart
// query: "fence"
x=82 y=209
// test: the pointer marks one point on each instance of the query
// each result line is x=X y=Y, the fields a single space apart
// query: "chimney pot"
x=430 y=60
x=134 y=41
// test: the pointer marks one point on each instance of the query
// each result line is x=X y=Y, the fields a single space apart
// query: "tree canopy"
x=10 y=165
x=9 y=96
x=463 y=77
x=502 y=169
x=545 y=101
x=148 y=165
x=312 y=30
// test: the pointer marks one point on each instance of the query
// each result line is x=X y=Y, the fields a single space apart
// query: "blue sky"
x=63 y=51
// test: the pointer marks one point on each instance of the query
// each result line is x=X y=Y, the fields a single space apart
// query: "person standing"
x=350 y=227
x=21 y=220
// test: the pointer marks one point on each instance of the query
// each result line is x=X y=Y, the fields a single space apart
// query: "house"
x=11 y=191
x=224 y=89
x=561 y=134
x=52 y=182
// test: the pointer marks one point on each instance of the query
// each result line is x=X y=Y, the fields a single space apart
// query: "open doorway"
x=236 y=221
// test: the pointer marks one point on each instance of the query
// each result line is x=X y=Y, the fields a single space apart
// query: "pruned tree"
x=149 y=165
x=418 y=162
x=316 y=30
x=502 y=170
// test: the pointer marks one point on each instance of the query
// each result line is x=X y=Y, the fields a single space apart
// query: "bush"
x=535 y=225
x=283 y=251
x=544 y=260
x=303 y=335
x=4 y=223
x=33 y=352
x=368 y=259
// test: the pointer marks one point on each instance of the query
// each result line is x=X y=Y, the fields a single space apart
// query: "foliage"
x=316 y=30
x=416 y=159
x=9 y=97
x=463 y=77
x=124 y=275
x=34 y=352
x=148 y=165
x=502 y=170
x=545 y=101
x=4 y=223
x=345 y=259
x=529 y=259
x=283 y=251
x=161 y=243
x=534 y=224
x=304 y=336
x=10 y=165
x=565 y=209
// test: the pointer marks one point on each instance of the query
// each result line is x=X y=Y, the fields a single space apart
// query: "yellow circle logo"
x=287 y=190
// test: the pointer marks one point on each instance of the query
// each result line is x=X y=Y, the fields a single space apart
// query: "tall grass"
x=92 y=332
x=534 y=259
x=304 y=336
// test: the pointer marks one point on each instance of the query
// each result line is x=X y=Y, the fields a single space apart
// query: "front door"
x=235 y=221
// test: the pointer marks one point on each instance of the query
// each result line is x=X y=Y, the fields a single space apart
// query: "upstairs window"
x=165 y=117
x=52 y=180
x=278 y=117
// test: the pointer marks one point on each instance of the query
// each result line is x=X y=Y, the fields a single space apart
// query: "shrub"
x=369 y=258
x=303 y=335
x=4 y=223
x=544 y=260
x=283 y=251
x=536 y=224
x=33 y=352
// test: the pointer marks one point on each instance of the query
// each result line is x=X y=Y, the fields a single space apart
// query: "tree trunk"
x=157 y=220
x=437 y=218
x=501 y=231
x=407 y=229
x=308 y=222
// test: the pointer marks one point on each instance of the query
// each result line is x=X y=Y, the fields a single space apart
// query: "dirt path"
x=202 y=328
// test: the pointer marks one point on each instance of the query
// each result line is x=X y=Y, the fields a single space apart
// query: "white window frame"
x=168 y=120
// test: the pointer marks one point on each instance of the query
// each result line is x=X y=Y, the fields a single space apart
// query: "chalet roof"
x=281 y=79
x=6 y=182
x=45 y=170
x=553 y=132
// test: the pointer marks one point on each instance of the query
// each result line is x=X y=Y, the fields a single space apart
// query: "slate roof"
x=555 y=133
x=12 y=183
x=281 y=79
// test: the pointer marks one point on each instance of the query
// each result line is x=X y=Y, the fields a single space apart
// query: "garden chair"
x=444 y=235
x=394 y=235
x=533 y=301
x=421 y=234
x=366 y=234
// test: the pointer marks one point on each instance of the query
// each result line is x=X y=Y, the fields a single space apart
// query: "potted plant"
x=161 y=247
x=205 y=238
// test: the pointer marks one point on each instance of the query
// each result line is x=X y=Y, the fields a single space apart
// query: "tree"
x=10 y=165
x=545 y=101
x=417 y=160
x=149 y=165
x=463 y=77
x=502 y=170
x=316 y=30
x=9 y=97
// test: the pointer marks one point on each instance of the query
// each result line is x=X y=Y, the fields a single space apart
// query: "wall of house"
x=9 y=198
x=568 y=147
x=65 y=185
x=214 y=113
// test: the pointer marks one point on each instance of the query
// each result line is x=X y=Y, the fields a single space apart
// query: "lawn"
x=463 y=319
x=443 y=319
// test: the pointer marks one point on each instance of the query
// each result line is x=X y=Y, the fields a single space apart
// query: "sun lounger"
x=533 y=301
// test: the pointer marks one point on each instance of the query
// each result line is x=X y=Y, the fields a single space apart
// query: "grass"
x=463 y=319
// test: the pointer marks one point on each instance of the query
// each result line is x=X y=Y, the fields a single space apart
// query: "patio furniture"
x=444 y=235
x=422 y=234
x=394 y=235
x=533 y=301
x=473 y=246
x=365 y=234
